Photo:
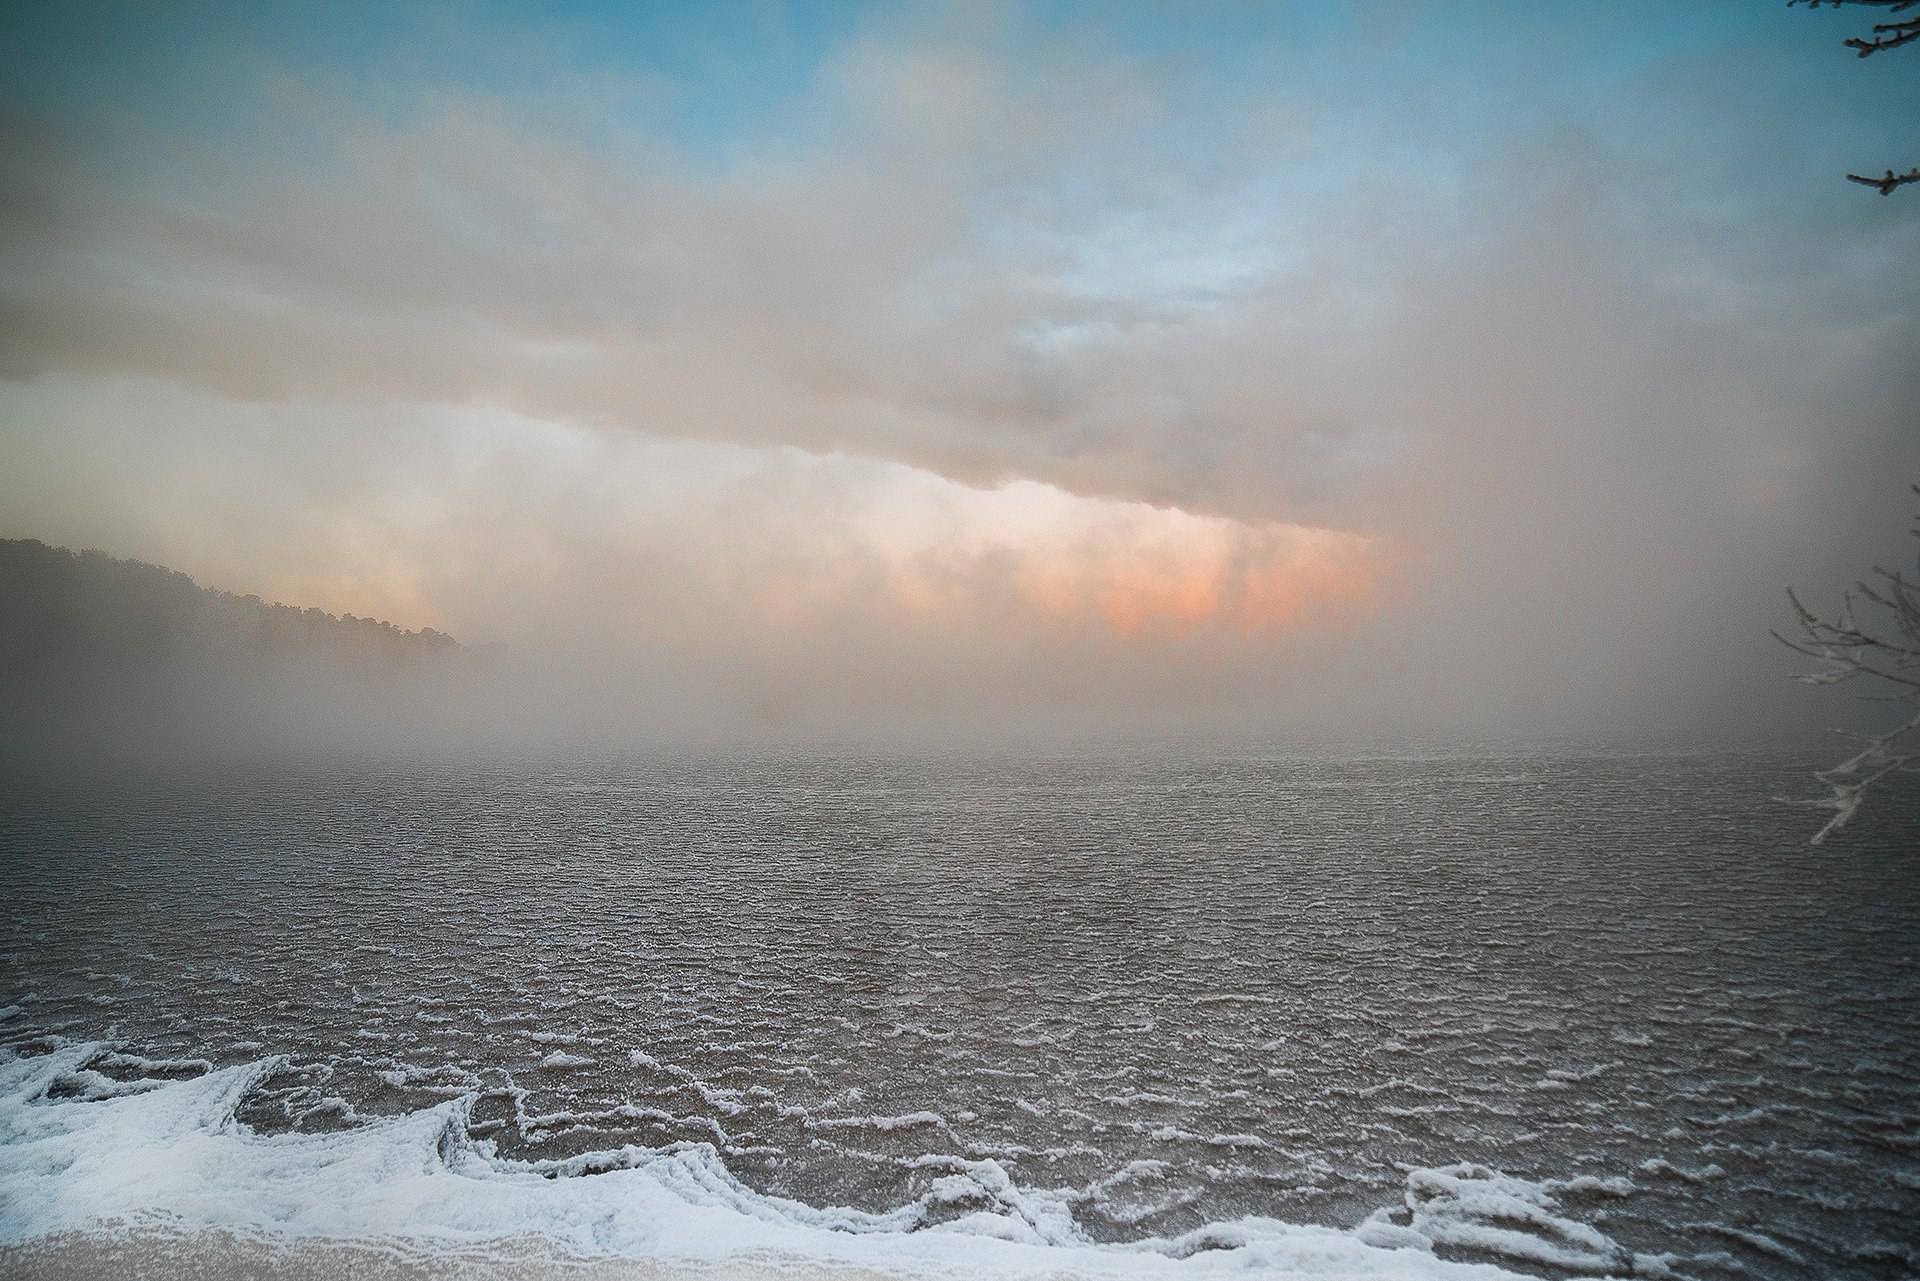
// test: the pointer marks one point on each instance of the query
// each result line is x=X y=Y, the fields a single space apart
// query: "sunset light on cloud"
x=1132 y=569
x=1037 y=555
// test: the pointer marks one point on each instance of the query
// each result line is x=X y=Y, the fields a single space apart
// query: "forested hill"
x=111 y=660
x=89 y=613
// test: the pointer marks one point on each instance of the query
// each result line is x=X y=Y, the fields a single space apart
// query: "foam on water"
x=80 y=1150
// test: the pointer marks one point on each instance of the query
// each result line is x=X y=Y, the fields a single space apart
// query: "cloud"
x=1510 y=425
x=904 y=289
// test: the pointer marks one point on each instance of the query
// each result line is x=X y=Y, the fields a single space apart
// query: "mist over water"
x=1100 y=996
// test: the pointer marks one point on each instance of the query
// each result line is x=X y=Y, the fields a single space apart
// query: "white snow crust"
x=80 y=1150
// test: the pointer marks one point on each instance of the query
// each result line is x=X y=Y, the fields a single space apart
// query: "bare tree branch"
x=1886 y=35
x=1892 y=180
x=1844 y=648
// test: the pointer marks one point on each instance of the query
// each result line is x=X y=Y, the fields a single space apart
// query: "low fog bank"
x=118 y=664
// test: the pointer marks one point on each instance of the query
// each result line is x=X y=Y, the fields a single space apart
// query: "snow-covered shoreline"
x=105 y=1177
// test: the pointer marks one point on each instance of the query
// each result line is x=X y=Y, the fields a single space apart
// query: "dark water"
x=1173 y=989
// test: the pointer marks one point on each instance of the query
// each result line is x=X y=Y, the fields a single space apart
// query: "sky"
x=1307 y=369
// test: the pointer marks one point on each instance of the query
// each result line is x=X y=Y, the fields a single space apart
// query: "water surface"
x=1155 y=991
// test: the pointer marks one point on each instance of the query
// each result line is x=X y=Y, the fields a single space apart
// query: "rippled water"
x=1174 y=988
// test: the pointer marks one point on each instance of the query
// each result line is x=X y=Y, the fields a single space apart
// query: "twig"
x=1892 y=180
x=1839 y=648
x=1886 y=35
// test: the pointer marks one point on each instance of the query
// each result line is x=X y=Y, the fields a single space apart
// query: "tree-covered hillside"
x=66 y=610
x=100 y=654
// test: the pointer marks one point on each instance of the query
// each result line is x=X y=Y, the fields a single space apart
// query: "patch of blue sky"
x=1413 y=93
x=711 y=77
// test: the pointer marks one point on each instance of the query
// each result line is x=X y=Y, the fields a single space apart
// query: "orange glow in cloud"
x=1064 y=562
x=1222 y=576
